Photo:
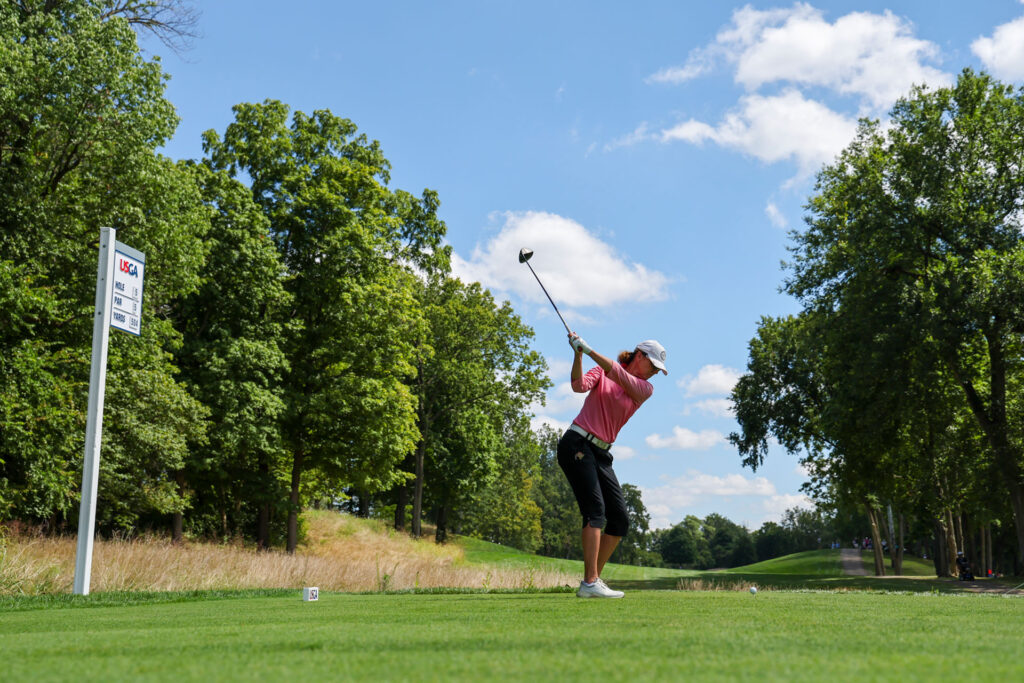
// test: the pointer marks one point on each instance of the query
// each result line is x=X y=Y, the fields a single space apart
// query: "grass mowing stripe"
x=649 y=635
x=16 y=603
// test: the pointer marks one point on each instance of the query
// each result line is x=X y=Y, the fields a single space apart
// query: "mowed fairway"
x=649 y=635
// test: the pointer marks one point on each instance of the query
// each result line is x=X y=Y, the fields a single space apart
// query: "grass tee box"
x=649 y=635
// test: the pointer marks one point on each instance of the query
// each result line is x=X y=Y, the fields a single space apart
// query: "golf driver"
x=524 y=257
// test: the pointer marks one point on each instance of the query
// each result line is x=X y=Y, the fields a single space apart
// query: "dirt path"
x=852 y=566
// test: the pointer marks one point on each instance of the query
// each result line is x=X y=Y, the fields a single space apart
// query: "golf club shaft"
x=548 y=296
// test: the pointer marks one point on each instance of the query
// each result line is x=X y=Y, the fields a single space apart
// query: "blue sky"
x=653 y=154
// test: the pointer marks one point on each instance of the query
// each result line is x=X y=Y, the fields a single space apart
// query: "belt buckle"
x=600 y=443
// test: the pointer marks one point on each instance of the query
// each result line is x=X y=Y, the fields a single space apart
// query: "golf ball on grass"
x=753 y=590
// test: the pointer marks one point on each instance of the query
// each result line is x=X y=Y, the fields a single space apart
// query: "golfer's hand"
x=578 y=344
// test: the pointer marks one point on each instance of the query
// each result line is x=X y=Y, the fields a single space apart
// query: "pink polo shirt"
x=612 y=400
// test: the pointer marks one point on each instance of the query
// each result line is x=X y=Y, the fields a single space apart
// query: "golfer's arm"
x=628 y=383
x=603 y=361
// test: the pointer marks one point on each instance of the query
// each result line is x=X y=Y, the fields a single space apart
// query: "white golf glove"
x=579 y=344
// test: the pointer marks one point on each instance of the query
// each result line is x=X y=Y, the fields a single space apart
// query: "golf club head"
x=525 y=254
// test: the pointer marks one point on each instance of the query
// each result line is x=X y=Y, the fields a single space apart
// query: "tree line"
x=304 y=341
x=899 y=382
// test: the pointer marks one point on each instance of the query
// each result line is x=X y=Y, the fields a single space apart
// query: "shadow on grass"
x=915 y=584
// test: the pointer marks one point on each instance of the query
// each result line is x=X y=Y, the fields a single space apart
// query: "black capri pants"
x=589 y=471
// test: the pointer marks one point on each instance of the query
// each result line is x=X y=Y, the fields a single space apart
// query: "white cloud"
x=1003 y=52
x=775 y=216
x=775 y=506
x=686 y=440
x=640 y=134
x=775 y=128
x=700 y=62
x=667 y=504
x=577 y=268
x=562 y=400
x=872 y=58
x=715 y=407
x=558 y=368
x=711 y=379
x=539 y=421
x=623 y=452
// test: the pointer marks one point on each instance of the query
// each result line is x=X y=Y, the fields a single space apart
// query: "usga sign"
x=126 y=299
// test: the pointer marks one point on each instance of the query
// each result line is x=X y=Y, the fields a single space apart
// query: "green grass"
x=816 y=562
x=912 y=566
x=813 y=569
x=482 y=552
x=649 y=635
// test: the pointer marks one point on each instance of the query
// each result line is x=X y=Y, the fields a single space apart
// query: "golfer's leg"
x=607 y=547
x=615 y=510
x=592 y=541
x=577 y=461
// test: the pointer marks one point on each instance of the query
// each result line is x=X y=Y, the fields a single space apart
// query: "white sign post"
x=118 y=304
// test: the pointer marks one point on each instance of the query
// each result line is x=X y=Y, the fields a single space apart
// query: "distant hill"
x=826 y=563
x=479 y=553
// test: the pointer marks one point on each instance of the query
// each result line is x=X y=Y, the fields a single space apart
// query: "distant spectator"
x=964 y=567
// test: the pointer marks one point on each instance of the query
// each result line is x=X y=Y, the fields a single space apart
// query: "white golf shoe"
x=598 y=590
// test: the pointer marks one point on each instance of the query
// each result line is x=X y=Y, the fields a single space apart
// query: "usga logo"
x=129 y=267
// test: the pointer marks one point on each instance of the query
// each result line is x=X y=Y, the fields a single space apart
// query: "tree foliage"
x=911 y=277
x=285 y=321
x=81 y=115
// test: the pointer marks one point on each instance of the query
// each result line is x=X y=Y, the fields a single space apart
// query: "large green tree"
x=505 y=511
x=81 y=115
x=233 y=362
x=476 y=379
x=344 y=239
x=930 y=207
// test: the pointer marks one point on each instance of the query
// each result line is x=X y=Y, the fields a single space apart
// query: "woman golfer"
x=614 y=392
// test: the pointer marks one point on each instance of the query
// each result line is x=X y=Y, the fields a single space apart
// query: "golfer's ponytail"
x=626 y=357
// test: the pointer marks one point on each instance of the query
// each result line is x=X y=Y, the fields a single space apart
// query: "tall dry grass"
x=716 y=584
x=341 y=553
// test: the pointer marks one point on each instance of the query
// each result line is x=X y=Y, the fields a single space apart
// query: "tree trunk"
x=941 y=557
x=899 y=547
x=441 y=535
x=177 y=531
x=263 y=519
x=890 y=539
x=993 y=422
x=417 y=498
x=982 y=554
x=961 y=538
x=293 y=500
x=363 y=510
x=988 y=548
x=951 y=544
x=1017 y=501
x=177 y=521
x=876 y=539
x=403 y=495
